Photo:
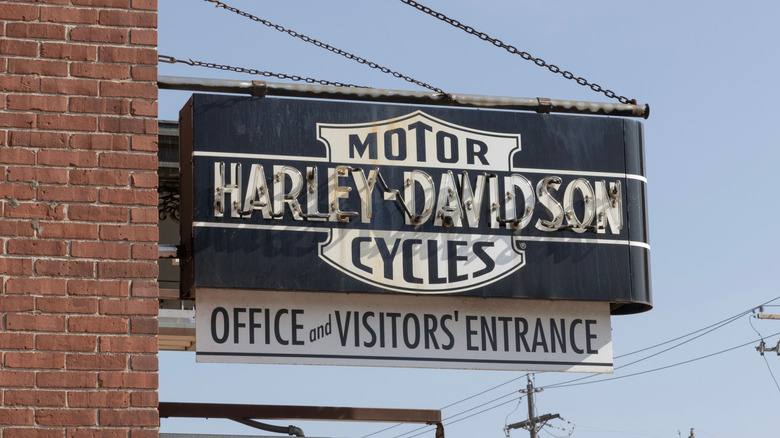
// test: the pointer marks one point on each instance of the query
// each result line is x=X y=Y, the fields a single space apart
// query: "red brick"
x=67 y=194
x=127 y=417
x=97 y=324
x=17 y=156
x=57 y=230
x=125 y=344
x=70 y=87
x=36 y=31
x=103 y=250
x=16 y=228
x=96 y=105
x=39 y=139
x=128 y=89
x=100 y=142
x=127 y=270
x=37 y=247
x=144 y=363
x=145 y=252
x=33 y=323
x=65 y=417
x=33 y=360
x=128 y=55
x=99 y=399
x=97 y=362
x=135 y=233
x=119 y=4
x=16 y=191
x=66 y=379
x=74 y=52
x=16 y=379
x=84 y=343
x=67 y=305
x=144 y=399
x=128 y=19
x=100 y=71
x=26 y=397
x=143 y=37
x=13 y=12
x=67 y=158
x=16 y=416
x=146 y=289
x=63 y=122
x=69 y=15
x=38 y=286
x=101 y=288
x=144 y=108
x=28 y=102
x=17 y=120
x=144 y=73
x=149 y=5
x=127 y=380
x=144 y=215
x=130 y=125
x=40 y=174
x=15 y=266
x=128 y=196
x=101 y=432
x=64 y=268
x=144 y=326
x=33 y=433
x=147 y=143
x=94 y=213
x=99 y=35
x=35 y=211
x=19 y=48
x=17 y=341
x=27 y=84
x=26 y=66
x=127 y=307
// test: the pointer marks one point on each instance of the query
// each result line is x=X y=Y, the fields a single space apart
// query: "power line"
x=563 y=385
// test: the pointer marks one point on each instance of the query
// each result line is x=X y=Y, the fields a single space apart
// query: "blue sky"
x=708 y=71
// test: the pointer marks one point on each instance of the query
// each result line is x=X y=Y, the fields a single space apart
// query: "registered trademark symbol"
x=522 y=245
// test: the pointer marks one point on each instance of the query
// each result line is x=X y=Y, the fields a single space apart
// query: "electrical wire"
x=706 y=330
x=657 y=369
x=763 y=356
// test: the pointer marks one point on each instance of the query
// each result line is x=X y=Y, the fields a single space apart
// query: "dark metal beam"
x=275 y=412
x=537 y=104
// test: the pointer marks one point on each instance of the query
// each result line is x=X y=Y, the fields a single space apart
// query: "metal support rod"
x=165 y=251
x=276 y=412
x=540 y=105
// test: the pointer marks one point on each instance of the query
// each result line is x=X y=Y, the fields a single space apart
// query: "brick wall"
x=78 y=218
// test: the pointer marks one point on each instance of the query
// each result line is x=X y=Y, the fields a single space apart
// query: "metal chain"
x=325 y=46
x=514 y=50
x=252 y=71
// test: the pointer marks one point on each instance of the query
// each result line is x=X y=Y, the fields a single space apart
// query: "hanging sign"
x=403 y=331
x=307 y=195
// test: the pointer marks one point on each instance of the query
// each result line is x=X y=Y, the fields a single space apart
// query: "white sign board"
x=319 y=328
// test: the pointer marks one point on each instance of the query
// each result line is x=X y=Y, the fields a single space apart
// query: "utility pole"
x=762 y=346
x=532 y=421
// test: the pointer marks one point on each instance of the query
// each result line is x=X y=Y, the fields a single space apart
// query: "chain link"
x=252 y=71
x=514 y=50
x=325 y=46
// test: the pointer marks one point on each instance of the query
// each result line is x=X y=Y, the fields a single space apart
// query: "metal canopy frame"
x=278 y=412
x=536 y=104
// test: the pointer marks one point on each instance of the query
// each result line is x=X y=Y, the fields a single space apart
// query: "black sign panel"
x=308 y=195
